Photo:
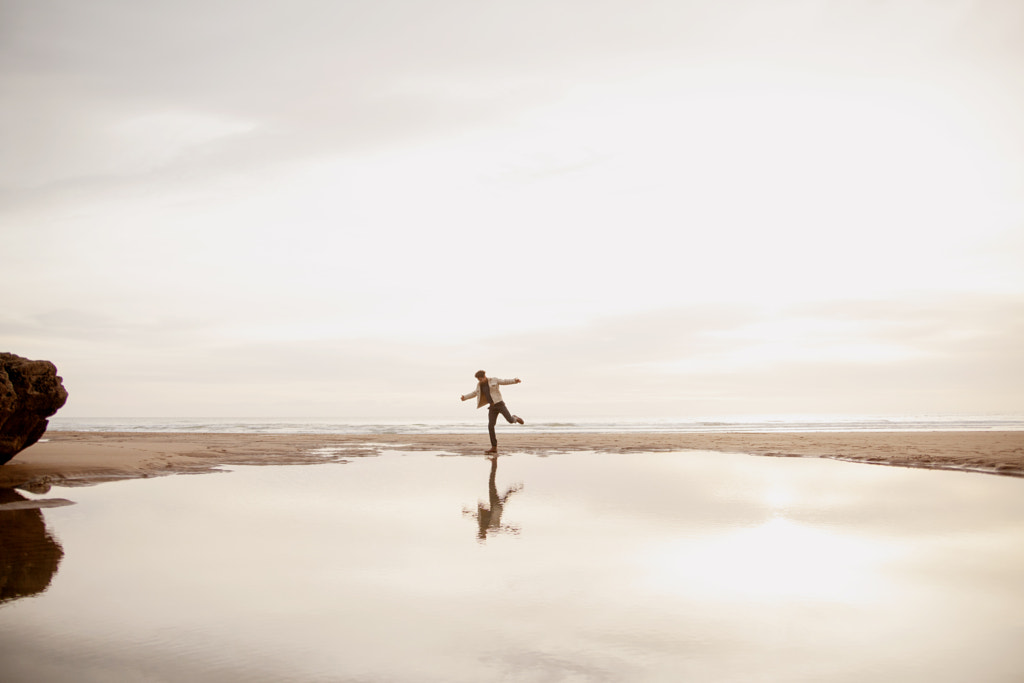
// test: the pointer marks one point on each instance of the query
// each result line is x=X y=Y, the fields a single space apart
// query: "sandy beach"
x=84 y=458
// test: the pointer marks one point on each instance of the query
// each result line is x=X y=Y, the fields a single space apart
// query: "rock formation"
x=30 y=392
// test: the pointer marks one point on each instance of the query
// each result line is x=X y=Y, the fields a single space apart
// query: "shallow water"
x=573 y=567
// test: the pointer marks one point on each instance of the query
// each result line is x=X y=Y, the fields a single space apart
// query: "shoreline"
x=87 y=458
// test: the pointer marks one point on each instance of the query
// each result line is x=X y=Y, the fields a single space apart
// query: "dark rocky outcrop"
x=30 y=392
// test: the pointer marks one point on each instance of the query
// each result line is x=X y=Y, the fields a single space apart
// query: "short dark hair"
x=480 y=374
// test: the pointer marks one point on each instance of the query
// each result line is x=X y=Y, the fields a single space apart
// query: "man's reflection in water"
x=488 y=516
x=29 y=555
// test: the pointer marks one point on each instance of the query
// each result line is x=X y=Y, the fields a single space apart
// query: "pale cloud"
x=648 y=208
x=335 y=76
x=914 y=356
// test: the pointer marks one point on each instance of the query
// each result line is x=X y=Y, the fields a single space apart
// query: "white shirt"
x=492 y=385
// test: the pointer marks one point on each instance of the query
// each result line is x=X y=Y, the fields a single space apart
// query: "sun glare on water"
x=777 y=560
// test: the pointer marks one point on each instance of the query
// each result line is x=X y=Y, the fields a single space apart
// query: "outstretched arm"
x=510 y=381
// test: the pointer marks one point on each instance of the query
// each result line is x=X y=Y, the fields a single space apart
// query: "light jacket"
x=492 y=384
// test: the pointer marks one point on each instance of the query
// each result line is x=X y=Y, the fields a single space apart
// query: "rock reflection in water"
x=488 y=515
x=29 y=554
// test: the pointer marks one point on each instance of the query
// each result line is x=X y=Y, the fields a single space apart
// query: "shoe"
x=492 y=451
x=516 y=418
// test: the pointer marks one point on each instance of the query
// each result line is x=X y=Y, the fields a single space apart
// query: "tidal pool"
x=573 y=567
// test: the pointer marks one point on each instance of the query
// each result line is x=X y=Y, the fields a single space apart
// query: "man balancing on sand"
x=488 y=394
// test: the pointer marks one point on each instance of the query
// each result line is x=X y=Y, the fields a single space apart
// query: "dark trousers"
x=492 y=419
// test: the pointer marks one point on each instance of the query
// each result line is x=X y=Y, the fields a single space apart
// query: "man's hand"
x=518 y=380
x=461 y=397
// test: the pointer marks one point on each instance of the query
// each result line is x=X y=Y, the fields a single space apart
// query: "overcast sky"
x=644 y=208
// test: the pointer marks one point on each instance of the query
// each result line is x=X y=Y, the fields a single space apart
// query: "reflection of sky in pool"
x=573 y=567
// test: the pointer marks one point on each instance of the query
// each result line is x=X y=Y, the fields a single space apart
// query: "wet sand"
x=84 y=458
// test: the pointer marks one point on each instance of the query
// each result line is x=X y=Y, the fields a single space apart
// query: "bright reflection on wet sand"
x=573 y=567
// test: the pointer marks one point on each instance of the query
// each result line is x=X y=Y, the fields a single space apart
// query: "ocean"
x=754 y=423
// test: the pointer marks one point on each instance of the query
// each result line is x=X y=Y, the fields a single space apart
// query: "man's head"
x=481 y=376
